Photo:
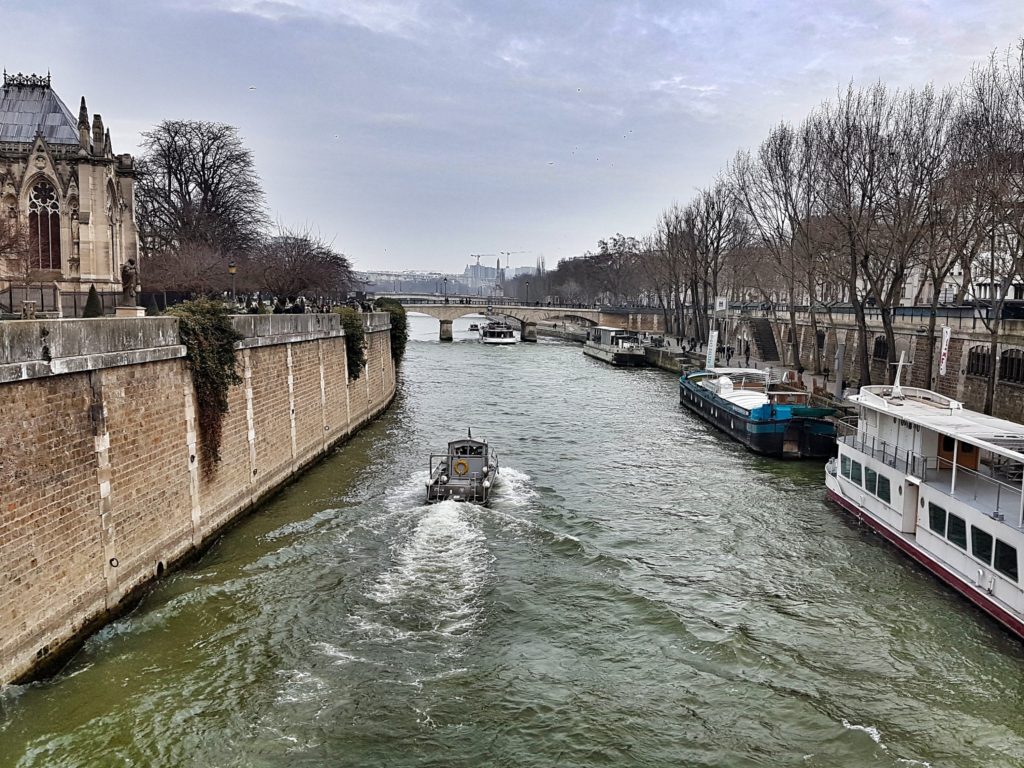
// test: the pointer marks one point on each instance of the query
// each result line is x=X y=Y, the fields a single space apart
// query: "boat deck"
x=995 y=499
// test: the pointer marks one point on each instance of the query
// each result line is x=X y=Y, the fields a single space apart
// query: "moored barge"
x=741 y=403
x=615 y=345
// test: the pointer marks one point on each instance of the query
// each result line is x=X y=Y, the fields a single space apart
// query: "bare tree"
x=994 y=106
x=713 y=229
x=668 y=265
x=293 y=263
x=197 y=186
x=190 y=267
x=616 y=261
x=853 y=148
x=778 y=192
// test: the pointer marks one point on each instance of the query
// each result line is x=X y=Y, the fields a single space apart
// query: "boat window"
x=937 y=519
x=956 y=531
x=883 y=489
x=947 y=444
x=844 y=461
x=855 y=472
x=981 y=545
x=1006 y=559
x=870 y=480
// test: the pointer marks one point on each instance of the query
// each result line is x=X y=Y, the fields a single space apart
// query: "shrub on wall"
x=93 y=308
x=399 y=326
x=355 y=340
x=209 y=338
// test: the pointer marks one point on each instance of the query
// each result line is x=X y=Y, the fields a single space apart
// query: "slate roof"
x=26 y=109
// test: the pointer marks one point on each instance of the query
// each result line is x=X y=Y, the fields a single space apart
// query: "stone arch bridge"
x=527 y=315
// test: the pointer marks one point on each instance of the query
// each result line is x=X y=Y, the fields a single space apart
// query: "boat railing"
x=891 y=455
x=992 y=496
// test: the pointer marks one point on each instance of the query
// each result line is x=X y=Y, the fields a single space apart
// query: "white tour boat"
x=496 y=332
x=942 y=483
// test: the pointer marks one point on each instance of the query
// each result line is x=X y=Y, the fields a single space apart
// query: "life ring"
x=461 y=467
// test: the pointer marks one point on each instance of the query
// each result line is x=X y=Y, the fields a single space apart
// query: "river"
x=641 y=592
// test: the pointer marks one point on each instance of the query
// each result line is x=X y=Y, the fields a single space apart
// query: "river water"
x=641 y=592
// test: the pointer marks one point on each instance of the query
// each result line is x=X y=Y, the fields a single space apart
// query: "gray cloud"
x=415 y=133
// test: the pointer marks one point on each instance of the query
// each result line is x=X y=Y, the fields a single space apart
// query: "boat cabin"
x=467 y=458
x=953 y=459
x=613 y=337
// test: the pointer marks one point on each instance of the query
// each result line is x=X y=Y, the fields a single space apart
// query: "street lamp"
x=446 y=290
x=527 y=293
x=231 y=271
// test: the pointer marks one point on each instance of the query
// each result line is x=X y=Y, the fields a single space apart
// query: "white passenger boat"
x=942 y=483
x=496 y=332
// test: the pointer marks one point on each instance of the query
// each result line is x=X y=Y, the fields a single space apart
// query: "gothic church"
x=61 y=183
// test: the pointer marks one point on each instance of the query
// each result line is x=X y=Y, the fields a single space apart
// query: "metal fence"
x=49 y=300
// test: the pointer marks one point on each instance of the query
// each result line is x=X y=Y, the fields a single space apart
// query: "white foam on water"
x=300 y=687
x=870 y=730
x=513 y=488
x=441 y=568
x=340 y=656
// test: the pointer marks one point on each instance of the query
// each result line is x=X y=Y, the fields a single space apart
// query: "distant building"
x=62 y=182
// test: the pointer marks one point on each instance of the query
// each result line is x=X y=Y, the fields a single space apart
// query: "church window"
x=44 y=226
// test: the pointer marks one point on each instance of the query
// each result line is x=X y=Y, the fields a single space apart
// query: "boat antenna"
x=470 y=433
x=897 y=390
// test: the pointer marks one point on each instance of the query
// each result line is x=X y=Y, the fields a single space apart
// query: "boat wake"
x=438 y=576
x=513 y=488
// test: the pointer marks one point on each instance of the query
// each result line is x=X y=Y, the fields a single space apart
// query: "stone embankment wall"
x=912 y=338
x=102 y=479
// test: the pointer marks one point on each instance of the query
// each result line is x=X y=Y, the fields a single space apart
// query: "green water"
x=641 y=592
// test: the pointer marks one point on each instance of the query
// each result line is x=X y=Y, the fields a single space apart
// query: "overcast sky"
x=414 y=134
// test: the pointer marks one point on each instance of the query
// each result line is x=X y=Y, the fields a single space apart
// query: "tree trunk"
x=816 y=349
x=862 y=328
x=890 y=344
x=933 y=318
x=990 y=385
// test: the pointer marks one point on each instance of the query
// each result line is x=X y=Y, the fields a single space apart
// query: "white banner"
x=722 y=304
x=944 y=354
x=712 y=345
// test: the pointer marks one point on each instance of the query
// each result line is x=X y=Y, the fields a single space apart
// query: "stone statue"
x=129 y=283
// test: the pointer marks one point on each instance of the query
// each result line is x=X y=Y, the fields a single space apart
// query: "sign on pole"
x=722 y=304
x=709 y=362
x=944 y=354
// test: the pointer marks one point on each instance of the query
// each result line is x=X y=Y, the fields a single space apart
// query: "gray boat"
x=465 y=473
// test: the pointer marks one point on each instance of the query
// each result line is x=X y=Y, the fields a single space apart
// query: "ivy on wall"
x=399 y=326
x=355 y=340
x=209 y=338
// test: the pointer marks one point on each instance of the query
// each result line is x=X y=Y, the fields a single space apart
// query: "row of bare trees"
x=203 y=222
x=878 y=198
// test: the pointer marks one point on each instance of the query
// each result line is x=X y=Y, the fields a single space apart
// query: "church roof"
x=29 y=106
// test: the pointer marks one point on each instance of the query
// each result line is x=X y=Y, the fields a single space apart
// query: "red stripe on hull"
x=1000 y=614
